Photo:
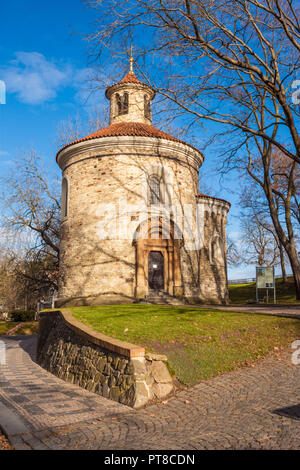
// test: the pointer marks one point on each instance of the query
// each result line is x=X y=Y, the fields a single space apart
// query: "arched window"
x=122 y=103
x=147 y=107
x=64 y=198
x=154 y=190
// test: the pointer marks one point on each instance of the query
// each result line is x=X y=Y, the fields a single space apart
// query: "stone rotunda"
x=134 y=225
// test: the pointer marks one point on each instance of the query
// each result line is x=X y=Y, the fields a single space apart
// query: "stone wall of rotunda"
x=98 y=186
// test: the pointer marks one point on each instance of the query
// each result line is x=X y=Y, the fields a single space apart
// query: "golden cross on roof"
x=131 y=60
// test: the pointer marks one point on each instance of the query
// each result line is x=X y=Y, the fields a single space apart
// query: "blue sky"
x=44 y=64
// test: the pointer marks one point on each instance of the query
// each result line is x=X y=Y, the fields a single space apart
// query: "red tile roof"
x=128 y=129
x=204 y=196
x=130 y=77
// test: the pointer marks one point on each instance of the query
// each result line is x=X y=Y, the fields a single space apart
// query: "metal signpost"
x=265 y=279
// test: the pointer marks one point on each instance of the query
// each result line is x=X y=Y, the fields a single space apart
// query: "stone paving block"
x=250 y=408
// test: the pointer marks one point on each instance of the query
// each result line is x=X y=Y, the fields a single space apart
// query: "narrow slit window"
x=147 y=107
x=122 y=103
x=154 y=190
x=64 y=198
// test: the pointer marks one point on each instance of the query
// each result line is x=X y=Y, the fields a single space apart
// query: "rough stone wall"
x=213 y=285
x=136 y=104
x=104 y=271
x=71 y=357
x=94 y=270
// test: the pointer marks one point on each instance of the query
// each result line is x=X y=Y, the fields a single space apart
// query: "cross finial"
x=131 y=60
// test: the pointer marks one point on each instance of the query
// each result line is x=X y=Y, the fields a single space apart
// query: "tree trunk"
x=295 y=265
x=282 y=263
x=297 y=282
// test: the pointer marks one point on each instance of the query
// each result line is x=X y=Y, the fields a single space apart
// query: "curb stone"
x=11 y=426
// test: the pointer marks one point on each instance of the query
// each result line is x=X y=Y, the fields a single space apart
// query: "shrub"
x=22 y=315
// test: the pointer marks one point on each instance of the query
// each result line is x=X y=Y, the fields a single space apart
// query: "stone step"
x=161 y=298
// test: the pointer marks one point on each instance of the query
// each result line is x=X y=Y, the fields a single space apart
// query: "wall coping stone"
x=117 y=346
x=156 y=357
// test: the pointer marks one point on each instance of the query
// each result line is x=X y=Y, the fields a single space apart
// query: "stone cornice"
x=213 y=202
x=147 y=146
x=129 y=85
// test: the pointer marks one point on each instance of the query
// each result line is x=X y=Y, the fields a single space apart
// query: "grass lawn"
x=5 y=326
x=199 y=343
x=246 y=293
x=31 y=328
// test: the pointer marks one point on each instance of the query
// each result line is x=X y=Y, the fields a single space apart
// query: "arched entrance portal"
x=157 y=260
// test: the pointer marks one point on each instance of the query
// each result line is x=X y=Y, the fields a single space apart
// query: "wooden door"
x=156 y=270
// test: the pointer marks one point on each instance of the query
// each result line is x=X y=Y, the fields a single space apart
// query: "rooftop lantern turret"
x=130 y=99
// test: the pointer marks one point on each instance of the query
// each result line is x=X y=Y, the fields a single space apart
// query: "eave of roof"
x=129 y=129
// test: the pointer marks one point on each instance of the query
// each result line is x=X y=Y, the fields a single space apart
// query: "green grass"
x=199 y=343
x=246 y=293
x=31 y=328
x=5 y=326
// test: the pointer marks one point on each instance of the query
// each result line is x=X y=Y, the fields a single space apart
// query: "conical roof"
x=138 y=129
x=130 y=78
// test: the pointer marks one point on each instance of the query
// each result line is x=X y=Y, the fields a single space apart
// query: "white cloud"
x=34 y=79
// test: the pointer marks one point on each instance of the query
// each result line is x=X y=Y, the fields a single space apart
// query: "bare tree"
x=255 y=207
x=30 y=203
x=32 y=210
x=234 y=257
x=243 y=45
x=259 y=246
x=73 y=128
x=9 y=290
x=231 y=63
x=25 y=277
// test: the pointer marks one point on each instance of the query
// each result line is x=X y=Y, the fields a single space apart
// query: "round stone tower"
x=133 y=223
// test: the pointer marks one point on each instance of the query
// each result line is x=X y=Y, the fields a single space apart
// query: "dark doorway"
x=156 y=270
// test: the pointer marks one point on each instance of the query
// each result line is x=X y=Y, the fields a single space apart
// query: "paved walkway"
x=251 y=408
x=278 y=310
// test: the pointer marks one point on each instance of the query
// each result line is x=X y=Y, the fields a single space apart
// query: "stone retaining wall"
x=114 y=369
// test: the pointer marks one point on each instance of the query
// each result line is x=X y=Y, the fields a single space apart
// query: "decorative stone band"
x=131 y=86
x=114 y=369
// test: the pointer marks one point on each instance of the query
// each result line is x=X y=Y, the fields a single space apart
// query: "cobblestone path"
x=251 y=408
